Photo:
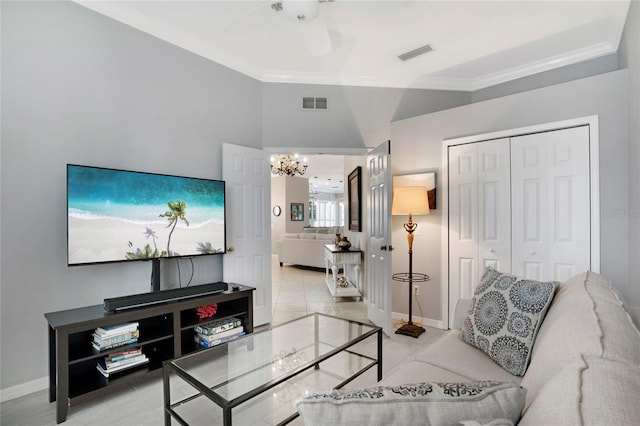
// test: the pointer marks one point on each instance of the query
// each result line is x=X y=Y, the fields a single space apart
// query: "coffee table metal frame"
x=173 y=367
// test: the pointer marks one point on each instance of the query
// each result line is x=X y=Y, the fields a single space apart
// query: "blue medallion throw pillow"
x=504 y=318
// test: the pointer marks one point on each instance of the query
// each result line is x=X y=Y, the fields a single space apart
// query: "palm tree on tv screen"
x=177 y=211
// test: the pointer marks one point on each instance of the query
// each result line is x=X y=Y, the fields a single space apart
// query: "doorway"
x=299 y=289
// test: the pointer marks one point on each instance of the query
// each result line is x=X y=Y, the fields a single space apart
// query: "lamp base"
x=410 y=329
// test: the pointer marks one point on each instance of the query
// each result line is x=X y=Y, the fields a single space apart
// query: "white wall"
x=297 y=191
x=278 y=223
x=418 y=144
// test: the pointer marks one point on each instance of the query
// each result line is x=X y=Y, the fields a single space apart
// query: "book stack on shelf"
x=118 y=335
x=123 y=360
x=217 y=332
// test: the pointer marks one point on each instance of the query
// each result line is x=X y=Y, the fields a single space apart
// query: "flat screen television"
x=119 y=216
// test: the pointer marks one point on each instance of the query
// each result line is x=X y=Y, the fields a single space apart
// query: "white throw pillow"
x=413 y=404
x=504 y=318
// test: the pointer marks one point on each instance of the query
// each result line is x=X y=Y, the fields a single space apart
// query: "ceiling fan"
x=304 y=12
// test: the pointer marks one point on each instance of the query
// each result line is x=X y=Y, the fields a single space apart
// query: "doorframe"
x=594 y=183
x=352 y=152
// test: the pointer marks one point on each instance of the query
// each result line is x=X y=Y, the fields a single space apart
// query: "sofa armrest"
x=460 y=314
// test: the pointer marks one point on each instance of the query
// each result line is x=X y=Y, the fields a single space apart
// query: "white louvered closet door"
x=479 y=214
x=551 y=204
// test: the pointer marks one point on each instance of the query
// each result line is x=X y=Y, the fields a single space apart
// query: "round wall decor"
x=277 y=210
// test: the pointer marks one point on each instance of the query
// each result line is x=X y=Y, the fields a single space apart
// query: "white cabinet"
x=520 y=204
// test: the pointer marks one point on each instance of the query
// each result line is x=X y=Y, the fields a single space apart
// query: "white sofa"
x=584 y=369
x=304 y=249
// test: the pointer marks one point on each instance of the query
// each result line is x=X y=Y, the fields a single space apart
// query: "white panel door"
x=551 y=204
x=378 y=264
x=494 y=206
x=248 y=186
x=463 y=222
x=479 y=215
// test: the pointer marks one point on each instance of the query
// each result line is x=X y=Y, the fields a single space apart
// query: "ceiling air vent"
x=416 y=52
x=309 y=103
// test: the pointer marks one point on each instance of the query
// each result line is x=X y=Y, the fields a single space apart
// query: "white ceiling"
x=326 y=173
x=476 y=43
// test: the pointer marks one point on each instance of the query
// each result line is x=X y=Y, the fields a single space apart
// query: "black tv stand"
x=145 y=299
x=155 y=274
x=166 y=331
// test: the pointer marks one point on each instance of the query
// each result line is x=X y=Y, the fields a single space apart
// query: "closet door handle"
x=383 y=248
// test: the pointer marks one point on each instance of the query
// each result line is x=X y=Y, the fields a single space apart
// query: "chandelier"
x=288 y=165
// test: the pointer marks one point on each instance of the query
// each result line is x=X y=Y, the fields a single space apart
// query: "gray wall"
x=630 y=58
x=559 y=75
x=357 y=117
x=81 y=88
x=605 y=95
x=78 y=87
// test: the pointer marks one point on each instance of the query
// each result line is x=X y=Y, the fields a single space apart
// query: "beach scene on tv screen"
x=116 y=215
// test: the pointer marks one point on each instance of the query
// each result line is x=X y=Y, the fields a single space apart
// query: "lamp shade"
x=410 y=200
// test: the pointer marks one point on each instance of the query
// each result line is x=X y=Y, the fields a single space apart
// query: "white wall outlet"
x=416 y=290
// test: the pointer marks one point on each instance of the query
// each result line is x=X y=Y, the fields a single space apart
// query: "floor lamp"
x=410 y=200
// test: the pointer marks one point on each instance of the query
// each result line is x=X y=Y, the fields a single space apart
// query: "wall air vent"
x=309 y=103
x=416 y=52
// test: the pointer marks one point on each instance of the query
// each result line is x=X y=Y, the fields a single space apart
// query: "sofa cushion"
x=505 y=316
x=326 y=237
x=307 y=236
x=451 y=353
x=580 y=323
x=290 y=235
x=420 y=403
x=589 y=391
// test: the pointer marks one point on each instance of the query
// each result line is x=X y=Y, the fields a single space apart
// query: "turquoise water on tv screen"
x=136 y=197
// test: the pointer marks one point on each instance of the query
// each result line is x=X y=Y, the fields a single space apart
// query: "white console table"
x=334 y=257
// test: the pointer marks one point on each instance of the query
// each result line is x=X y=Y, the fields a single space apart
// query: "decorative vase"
x=344 y=244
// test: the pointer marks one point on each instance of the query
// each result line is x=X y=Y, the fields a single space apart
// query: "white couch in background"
x=584 y=370
x=304 y=249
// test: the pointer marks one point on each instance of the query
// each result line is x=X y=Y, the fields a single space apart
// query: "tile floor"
x=298 y=291
x=138 y=401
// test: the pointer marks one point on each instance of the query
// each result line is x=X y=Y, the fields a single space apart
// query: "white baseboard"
x=24 y=389
x=427 y=322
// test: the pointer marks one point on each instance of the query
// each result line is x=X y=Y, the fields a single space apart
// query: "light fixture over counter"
x=288 y=165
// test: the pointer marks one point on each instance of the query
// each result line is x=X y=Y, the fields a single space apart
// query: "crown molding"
x=546 y=64
x=128 y=16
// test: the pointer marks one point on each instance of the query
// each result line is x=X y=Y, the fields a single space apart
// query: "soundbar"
x=145 y=299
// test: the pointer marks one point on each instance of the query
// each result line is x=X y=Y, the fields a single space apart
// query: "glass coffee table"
x=257 y=378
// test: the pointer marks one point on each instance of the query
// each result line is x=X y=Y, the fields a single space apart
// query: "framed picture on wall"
x=354 y=194
x=297 y=212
